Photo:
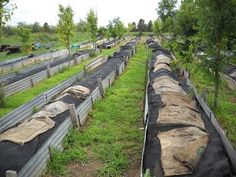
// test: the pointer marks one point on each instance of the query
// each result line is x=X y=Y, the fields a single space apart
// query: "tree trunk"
x=1 y=16
x=217 y=76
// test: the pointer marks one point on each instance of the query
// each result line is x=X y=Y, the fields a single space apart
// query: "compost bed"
x=14 y=156
x=214 y=161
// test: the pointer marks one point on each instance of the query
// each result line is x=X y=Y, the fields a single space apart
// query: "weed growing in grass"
x=63 y=69
x=35 y=109
x=56 y=165
x=112 y=134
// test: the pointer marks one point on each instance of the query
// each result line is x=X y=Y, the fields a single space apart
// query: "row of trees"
x=203 y=25
x=141 y=26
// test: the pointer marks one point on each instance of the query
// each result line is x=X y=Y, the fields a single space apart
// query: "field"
x=42 y=38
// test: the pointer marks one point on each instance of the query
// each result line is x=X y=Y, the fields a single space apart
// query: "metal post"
x=101 y=89
x=11 y=173
x=73 y=115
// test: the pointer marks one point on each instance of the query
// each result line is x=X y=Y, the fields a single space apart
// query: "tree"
x=157 y=27
x=186 y=20
x=81 y=26
x=141 y=26
x=5 y=14
x=135 y=27
x=131 y=27
x=24 y=33
x=166 y=12
x=92 y=26
x=216 y=21
x=36 y=28
x=46 y=27
x=66 y=27
x=102 y=32
x=149 y=26
x=116 y=28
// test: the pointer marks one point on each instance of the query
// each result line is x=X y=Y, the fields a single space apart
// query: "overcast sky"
x=42 y=11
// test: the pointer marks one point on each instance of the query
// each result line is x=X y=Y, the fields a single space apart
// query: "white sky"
x=42 y=11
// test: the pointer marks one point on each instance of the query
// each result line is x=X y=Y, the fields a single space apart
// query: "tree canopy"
x=66 y=27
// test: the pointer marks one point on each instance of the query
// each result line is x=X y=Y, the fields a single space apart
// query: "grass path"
x=110 y=144
x=16 y=100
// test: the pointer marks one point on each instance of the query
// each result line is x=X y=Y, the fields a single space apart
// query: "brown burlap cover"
x=180 y=114
x=161 y=66
x=178 y=99
x=181 y=150
x=165 y=84
x=27 y=130
x=52 y=110
x=78 y=91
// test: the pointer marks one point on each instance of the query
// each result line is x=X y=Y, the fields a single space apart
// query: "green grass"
x=20 y=98
x=112 y=135
x=42 y=38
x=226 y=111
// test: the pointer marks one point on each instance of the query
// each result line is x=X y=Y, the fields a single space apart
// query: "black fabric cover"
x=214 y=162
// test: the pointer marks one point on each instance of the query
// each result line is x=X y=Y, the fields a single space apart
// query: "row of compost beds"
x=30 y=159
x=18 y=63
x=216 y=160
x=27 y=78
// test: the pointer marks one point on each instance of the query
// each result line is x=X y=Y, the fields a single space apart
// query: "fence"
x=38 y=163
x=23 y=112
x=30 y=81
x=227 y=145
x=95 y=63
x=11 y=66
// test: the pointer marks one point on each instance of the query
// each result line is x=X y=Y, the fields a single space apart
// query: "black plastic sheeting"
x=39 y=69
x=214 y=162
x=14 y=156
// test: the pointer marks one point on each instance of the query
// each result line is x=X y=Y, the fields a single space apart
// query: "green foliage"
x=141 y=27
x=147 y=173
x=131 y=27
x=5 y=14
x=92 y=23
x=216 y=21
x=66 y=27
x=225 y=112
x=186 y=19
x=167 y=12
x=36 y=28
x=35 y=109
x=157 y=27
x=81 y=26
x=58 y=159
x=116 y=28
x=149 y=26
x=25 y=35
x=102 y=32
x=46 y=27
